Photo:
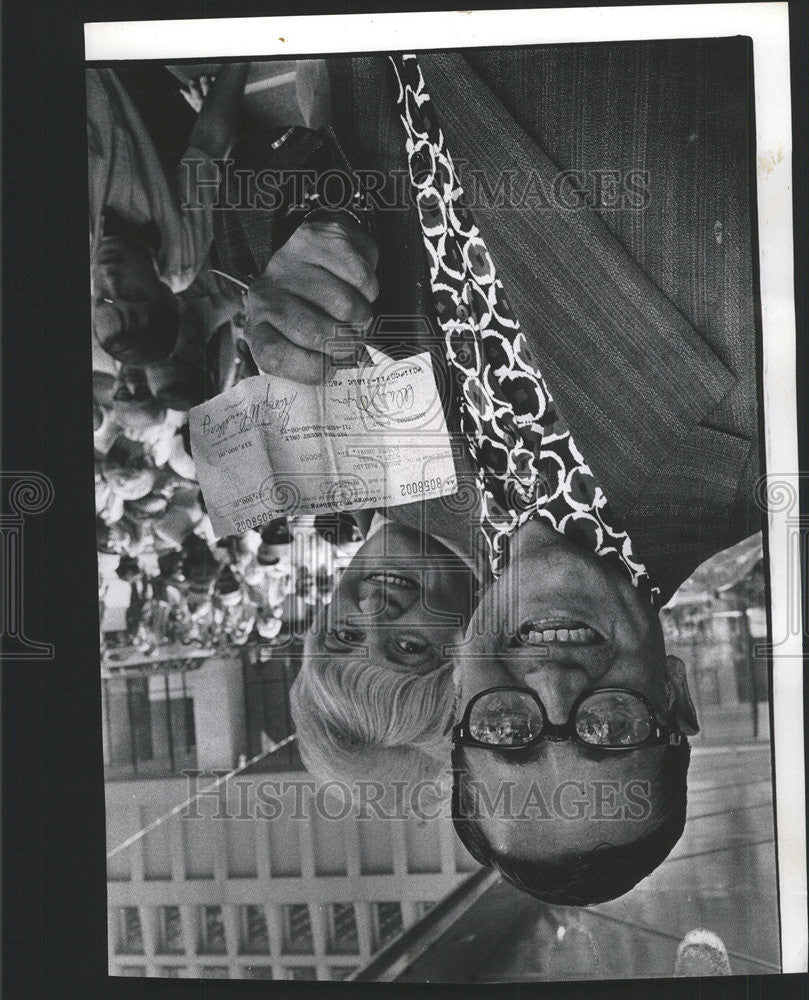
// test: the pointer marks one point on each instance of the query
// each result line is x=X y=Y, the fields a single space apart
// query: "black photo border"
x=53 y=871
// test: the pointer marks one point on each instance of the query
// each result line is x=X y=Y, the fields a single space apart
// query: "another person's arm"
x=213 y=131
x=198 y=176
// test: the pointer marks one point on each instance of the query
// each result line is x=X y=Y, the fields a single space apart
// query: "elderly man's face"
x=562 y=621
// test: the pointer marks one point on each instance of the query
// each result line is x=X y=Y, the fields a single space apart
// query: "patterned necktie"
x=528 y=465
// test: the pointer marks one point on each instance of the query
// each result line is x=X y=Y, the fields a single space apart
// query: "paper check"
x=373 y=436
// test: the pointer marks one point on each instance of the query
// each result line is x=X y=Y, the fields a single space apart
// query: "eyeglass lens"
x=604 y=718
x=505 y=718
x=613 y=719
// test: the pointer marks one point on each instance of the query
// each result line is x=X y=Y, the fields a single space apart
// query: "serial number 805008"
x=421 y=486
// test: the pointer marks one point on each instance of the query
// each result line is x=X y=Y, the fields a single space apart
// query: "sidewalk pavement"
x=721 y=876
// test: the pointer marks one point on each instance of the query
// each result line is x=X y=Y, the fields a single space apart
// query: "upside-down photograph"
x=430 y=429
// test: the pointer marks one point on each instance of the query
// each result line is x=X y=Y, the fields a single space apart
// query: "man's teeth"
x=575 y=636
x=396 y=581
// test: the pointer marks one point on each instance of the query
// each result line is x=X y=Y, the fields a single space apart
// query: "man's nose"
x=558 y=687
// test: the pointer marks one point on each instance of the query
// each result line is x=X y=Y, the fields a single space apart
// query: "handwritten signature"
x=272 y=409
x=379 y=399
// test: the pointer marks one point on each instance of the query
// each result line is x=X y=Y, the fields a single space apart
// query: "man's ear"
x=684 y=712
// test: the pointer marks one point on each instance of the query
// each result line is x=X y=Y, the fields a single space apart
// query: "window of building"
x=253 y=937
x=150 y=725
x=302 y=972
x=215 y=972
x=424 y=907
x=266 y=687
x=341 y=971
x=387 y=922
x=173 y=971
x=297 y=929
x=343 y=938
x=132 y=970
x=130 y=935
x=129 y=721
x=211 y=931
x=170 y=930
x=257 y=972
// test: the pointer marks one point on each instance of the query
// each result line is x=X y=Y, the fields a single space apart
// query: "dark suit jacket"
x=642 y=321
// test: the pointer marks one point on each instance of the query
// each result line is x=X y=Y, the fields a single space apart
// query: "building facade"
x=261 y=878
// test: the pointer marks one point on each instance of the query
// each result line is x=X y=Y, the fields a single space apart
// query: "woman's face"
x=403 y=602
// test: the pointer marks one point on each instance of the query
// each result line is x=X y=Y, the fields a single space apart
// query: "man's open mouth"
x=538 y=631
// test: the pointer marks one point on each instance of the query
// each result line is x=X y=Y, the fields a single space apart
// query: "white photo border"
x=767 y=24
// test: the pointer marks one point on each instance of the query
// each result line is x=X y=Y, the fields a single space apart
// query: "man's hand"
x=195 y=91
x=322 y=276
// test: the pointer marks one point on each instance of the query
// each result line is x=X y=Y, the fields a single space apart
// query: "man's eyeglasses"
x=513 y=718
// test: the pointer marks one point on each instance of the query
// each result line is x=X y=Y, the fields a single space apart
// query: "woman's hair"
x=359 y=721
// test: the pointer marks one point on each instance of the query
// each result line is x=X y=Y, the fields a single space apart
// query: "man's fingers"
x=194 y=92
x=189 y=99
x=343 y=248
x=323 y=289
x=340 y=225
x=305 y=323
x=276 y=355
x=318 y=284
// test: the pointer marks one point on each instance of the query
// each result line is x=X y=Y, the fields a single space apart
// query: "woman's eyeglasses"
x=513 y=718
